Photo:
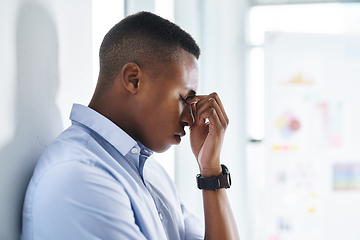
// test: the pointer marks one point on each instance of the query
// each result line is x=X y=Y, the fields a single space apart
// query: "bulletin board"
x=312 y=85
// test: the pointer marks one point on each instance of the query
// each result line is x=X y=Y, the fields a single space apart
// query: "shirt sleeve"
x=75 y=200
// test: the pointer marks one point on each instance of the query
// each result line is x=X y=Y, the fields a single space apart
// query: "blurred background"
x=287 y=72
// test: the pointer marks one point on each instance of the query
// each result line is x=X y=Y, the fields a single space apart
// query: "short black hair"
x=145 y=39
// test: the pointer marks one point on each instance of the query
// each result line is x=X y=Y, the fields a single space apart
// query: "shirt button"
x=134 y=150
x=160 y=216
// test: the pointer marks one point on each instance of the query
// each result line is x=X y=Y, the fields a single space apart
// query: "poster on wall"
x=312 y=128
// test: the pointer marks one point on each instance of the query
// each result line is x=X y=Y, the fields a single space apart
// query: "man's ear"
x=130 y=77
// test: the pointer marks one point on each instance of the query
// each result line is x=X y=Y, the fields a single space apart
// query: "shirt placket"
x=142 y=156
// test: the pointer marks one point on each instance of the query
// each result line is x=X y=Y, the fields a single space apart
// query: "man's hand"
x=206 y=138
x=207 y=132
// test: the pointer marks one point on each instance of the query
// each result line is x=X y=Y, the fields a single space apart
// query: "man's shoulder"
x=69 y=146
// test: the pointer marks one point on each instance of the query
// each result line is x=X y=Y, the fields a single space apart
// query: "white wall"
x=46 y=65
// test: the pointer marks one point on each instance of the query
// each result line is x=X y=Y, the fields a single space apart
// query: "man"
x=97 y=181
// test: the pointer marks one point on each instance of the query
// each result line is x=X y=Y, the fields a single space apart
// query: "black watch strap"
x=214 y=183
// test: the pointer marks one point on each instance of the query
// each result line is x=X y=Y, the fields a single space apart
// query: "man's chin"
x=161 y=149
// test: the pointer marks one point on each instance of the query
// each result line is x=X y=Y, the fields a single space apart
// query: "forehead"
x=186 y=71
x=181 y=74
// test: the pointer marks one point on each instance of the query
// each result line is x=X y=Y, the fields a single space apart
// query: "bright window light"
x=256 y=94
x=331 y=18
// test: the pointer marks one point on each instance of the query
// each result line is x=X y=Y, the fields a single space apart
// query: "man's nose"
x=187 y=116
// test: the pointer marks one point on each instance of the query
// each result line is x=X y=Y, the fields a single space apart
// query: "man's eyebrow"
x=191 y=93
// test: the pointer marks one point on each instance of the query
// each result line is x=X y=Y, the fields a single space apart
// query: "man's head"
x=148 y=65
x=145 y=39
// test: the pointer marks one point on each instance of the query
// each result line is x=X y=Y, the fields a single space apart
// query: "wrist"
x=215 y=182
x=210 y=172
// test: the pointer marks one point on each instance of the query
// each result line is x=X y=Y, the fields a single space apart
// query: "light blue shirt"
x=93 y=182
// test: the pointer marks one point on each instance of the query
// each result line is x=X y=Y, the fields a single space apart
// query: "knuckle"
x=214 y=94
x=212 y=100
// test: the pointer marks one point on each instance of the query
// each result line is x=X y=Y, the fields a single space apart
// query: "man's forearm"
x=219 y=219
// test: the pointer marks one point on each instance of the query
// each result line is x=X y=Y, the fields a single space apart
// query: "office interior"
x=287 y=72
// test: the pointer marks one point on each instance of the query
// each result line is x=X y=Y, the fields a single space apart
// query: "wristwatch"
x=214 y=183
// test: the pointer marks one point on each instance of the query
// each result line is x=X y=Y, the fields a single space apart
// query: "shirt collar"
x=105 y=128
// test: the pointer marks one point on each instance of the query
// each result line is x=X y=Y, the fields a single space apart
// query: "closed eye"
x=189 y=97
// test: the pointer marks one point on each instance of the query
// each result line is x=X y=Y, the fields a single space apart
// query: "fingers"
x=209 y=107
